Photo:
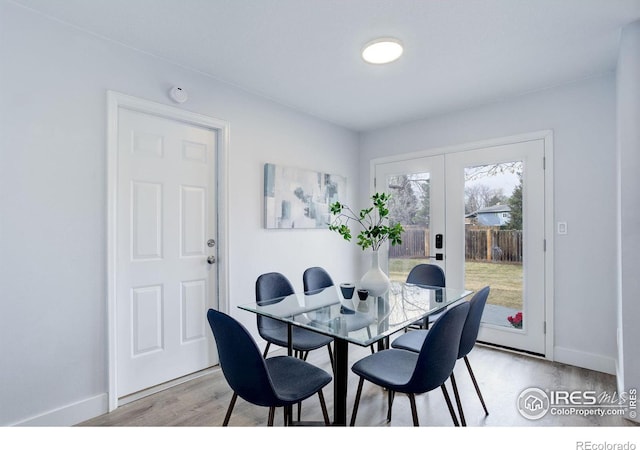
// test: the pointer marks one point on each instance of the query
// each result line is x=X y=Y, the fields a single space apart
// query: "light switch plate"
x=562 y=227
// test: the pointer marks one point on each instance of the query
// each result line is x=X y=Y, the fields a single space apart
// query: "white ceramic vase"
x=375 y=280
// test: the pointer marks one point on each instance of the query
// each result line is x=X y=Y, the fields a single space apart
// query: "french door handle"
x=211 y=259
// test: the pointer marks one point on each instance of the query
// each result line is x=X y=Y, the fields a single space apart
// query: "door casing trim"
x=547 y=137
x=115 y=101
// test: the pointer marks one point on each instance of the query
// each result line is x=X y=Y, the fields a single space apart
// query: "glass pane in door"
x=494 y=239
x=410 y=205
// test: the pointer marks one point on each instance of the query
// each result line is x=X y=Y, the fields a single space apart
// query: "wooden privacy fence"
x=493 y=245
x=415 y=244
x=481 y=244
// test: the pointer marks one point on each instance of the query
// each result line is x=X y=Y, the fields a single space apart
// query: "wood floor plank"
x=502 y=376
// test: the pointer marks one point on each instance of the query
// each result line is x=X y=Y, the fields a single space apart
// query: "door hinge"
x=375 y=183
x=544 y=163
x=544 y=245
x=544 y=327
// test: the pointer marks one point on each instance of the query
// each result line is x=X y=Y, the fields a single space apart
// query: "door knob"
x=211 y=259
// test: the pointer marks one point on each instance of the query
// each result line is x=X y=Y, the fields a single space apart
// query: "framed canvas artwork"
x=299 y=198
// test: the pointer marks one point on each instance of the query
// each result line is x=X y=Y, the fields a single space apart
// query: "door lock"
x=211 y=242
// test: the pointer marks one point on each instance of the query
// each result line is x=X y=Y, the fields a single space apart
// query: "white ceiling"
x=306 y=53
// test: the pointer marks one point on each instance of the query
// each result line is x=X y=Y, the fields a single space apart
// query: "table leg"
x=341 y=356
x=382 y=306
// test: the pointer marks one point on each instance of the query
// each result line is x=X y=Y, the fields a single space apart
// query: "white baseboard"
x=585 y=360
x=69 y=415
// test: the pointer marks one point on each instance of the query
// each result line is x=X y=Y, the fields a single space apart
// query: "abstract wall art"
x=299 y=198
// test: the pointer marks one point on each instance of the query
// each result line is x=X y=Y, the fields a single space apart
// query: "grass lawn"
x=505 y=279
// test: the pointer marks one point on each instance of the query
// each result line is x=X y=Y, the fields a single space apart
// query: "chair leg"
x=475 y=384
x=448 y=400
x=323 y=405
x=266 y=350
x=373 y=350
x=288 y=411
x=391 y=396
x=356 y=402
x=456 y=394
x=229 y=409
x=299 y=410
x=272 y=413
x=414 y=410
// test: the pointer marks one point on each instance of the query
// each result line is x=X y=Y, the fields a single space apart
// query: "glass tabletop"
x=361 y=322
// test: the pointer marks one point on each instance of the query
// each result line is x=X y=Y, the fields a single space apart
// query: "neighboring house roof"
x=494 y=209
x=489 y=216
x=490 y=210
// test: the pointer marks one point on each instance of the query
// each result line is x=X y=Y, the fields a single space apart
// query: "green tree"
x=515 y=202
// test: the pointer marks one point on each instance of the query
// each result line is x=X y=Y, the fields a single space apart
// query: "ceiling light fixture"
x=382 y=51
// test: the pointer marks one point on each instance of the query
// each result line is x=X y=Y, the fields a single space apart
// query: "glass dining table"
x=355 y=321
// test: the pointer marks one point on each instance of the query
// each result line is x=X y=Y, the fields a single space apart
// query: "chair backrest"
x=269 y=288
x=315 y=279
x=427 y=274
x=439 y=351
x=472 y=324
x=242 y=364
x=272 y=285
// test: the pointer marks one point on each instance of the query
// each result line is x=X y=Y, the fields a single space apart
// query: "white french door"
x=501 y=243
x=165 y=249
x=417 y=188
x=479 y=212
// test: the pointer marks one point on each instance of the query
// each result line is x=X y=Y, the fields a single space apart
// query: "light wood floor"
x=502 y=377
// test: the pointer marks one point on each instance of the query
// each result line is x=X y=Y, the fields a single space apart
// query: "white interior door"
x=496 y=239
x=166 y=224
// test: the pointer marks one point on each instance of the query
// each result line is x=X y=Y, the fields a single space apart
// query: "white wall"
x=628 y=95
x=582 y=117
x=53 y=338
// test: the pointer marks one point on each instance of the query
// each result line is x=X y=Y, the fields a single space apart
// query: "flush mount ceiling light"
x=382 y=51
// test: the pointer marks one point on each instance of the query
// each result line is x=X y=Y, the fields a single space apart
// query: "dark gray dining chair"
x=270 y=382
x=427 y=275
x=412 y=373
x=315 y=280
x=270 y=288
x=414 y=340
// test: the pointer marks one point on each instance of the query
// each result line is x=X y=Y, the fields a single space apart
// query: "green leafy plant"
x=373 y=221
